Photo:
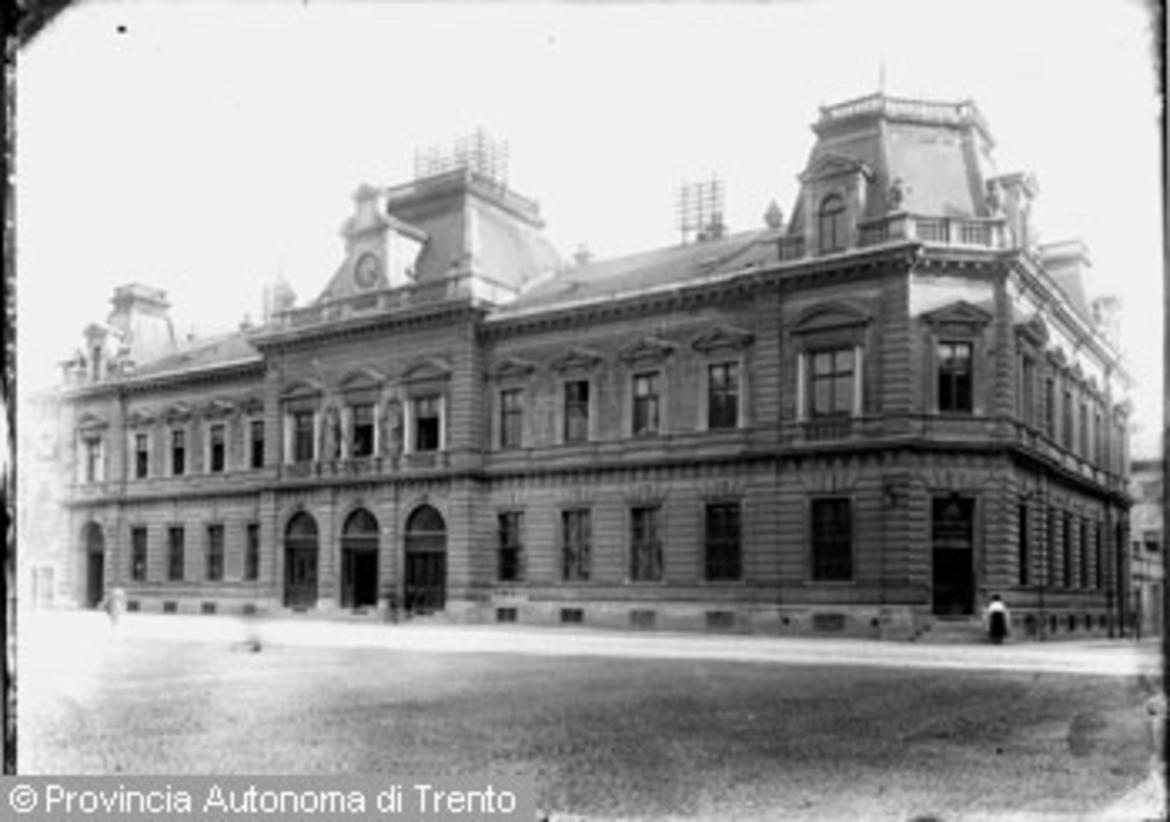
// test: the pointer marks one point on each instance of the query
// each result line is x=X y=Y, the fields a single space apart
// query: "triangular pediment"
x=958 y=313
x=513 y=368
x=252 y=405
x=431 y=368
x=140 y=418
x=304 y=387
x=829 y=317
x=362 y=377
x=576 y=359
x=724 y=337
x=1058 y=357
x=834 y=165
x=646 y=349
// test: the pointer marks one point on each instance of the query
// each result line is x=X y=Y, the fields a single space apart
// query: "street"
x=611 y=725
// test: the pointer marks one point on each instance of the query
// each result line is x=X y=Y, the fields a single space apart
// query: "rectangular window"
x=645 y=404
x=1023 y=552
x=723 y=395
x=1050 y=406
x=576 y=543
x=175 y=554
x=645 y=546
x=577 y=411
x=511 y=418
x=1067 y=552
x=1066 y=419
x=832 y=540
x=141 y=456
x=1050 y=559
x=138 y=554
x=511 y=549
x=1083 y=430
x=252 y=552
x=1099 y=550
x=178 y=452
x=93 y=459
x=214 y=553
x=954 y=377
x=362 y=430
x=303 y=450
x=218 y=455
x=1083 y=581
x=831 y=382
x=257 y=448
x=724 y=556
x=1027 y=391
x=426 y=423
x=1098 y=439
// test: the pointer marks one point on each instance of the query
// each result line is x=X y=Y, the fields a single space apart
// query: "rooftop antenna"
x=699 y=209
x=477 y=152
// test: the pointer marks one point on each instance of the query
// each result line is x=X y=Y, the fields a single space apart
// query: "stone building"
x=864 y=419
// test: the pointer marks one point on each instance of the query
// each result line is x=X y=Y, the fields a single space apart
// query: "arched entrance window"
x=359 y=560
x=95 y=564
x=300 y=562
x=831 y=224
x=426 y=561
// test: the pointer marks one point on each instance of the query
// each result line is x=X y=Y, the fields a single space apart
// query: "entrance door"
x=95 y=565
x=426 y=561
x=953 y=539
x=300 y=563
x=359 y=561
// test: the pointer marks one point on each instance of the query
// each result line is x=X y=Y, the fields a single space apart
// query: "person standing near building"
x=997 y=619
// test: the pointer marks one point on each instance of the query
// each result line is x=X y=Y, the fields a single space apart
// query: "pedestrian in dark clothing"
x=997 y=619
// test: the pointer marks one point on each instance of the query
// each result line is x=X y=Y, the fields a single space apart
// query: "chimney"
x=1107 y=317
x=582 y=256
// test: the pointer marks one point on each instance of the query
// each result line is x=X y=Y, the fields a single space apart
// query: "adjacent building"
x=1147 y=566
x=864 y=418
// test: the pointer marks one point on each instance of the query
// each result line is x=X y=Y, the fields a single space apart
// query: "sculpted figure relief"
x=391 y=433
x=331 y=434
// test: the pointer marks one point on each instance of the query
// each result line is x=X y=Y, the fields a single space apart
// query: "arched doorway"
x=300 y=562
x=95 y=564
x=359 y=561
x=953 y=571
x=426 y=561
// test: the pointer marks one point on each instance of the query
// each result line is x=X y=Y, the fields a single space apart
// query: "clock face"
x=367 y=270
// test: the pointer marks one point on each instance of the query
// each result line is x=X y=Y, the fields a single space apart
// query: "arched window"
x=831 y=224
x=425 y=521
x=360 y=523
x=302 y=527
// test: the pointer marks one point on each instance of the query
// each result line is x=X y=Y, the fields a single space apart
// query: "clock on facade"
x=367 y=270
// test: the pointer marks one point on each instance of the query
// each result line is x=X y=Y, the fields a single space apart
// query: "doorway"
x=426 y=561
x=95 y=565
x=953 y=549
x=359 y=561
x=300 y=563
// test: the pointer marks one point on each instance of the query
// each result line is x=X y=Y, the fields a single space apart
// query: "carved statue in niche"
x=895 y=194
x=994 y=203
x=391 y=429
x=331 y=434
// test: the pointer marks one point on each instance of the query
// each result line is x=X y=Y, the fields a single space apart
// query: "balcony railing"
x=374 y=302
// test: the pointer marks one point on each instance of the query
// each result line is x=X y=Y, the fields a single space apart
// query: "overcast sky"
x=204 y=148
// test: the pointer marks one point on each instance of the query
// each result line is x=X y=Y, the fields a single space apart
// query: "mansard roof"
x=621 y=276
x=215 y=351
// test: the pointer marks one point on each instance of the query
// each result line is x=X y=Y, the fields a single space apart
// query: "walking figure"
x=997 y=619
x=114 y=605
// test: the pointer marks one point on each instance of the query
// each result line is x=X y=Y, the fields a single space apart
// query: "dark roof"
x=675 y=265
x=201 y=354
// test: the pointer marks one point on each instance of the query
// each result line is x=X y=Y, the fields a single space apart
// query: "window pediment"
x=1058 y=357
x=302 y=388
x=724 y=337
x=219 y=408
x=513 y=368
x=831 y=317
x=647 y=349
x=140 y=418
x=1035 y=330
x=178 y=412
x=362 y=378
x=834 y=165
x=252 y=405
x=90 y=422
x=577 y=359
x=960 y=317
x=431 y=368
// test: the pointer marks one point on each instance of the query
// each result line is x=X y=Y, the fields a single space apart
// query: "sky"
x=206 y=148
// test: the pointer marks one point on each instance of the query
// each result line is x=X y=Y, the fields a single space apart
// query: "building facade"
x=864 y=419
